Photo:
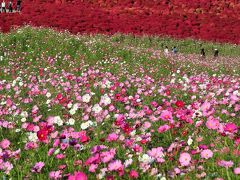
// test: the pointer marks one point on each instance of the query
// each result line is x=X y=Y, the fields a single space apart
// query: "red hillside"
x=206 y=19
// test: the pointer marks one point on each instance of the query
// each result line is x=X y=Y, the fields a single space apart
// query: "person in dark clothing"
x=203 y=54
x=216 y=52
x=174 y=50
x=19 y=5
x=10 y=6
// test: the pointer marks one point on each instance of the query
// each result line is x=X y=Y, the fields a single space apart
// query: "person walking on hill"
x=216 y=52
x=10 y=6
x=19 y=5
x=166 y=51
x=3 y=6
x=203 y=54
x=174 y=50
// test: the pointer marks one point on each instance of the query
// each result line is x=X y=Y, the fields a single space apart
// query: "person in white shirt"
x=166 y=51
x=3 y=6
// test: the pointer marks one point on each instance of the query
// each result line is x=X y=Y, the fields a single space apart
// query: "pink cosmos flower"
x=185 y=159
x=38 y=167
x=31 y=145
x=226 y=164
x=146 y=125
x=212 y=123
x=206 y=154
x=205 y=106
x=115 y=165
x=6 y=166
x=60 y=156
x=108 y=156
x=112 y=137
x=50 y=151
x=166 y=115
x=157 y=153
x=55 y=174
x=163 y=128
x=237 y=171
x=230 y=127
x=133 y=174
x=93 y=167
x=78 y=176
x=5 y=143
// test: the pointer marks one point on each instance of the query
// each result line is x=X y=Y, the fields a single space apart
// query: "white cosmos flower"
x=96 y=108
x=145 y=158
x=236 y=93
x=48 y=101
x=24 y=114
x=133 y=133
x=48 y=94
x=105 y=100
x=190 y=141
x=108 y=84
x=13 y=83
x=71 y=121
x=128 y=162
x=58 y=120
x=23 y=120
x=75 y=106
x=84 y=126
x=72 y=111
x=57 y=151
x=69 y=105
x=20 y=83
x=86 y=98
x=32 y=137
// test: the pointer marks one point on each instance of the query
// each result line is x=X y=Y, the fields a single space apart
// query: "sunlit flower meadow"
x=84 y=107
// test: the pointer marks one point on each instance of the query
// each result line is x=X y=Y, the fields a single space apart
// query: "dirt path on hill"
x=229 y=63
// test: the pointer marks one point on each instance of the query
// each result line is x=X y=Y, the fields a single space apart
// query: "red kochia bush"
x=205 y=19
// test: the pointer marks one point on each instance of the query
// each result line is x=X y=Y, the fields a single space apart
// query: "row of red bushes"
x=205 y=19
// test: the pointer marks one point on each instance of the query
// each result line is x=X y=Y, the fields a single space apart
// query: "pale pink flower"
x=5 y=143
x=206 y=154
x=55 y=174
x=226 y=164
x=163 y=128
x=212 y=123
x=38 y=167
x=185 y=159
x=112 y=137
x=115 y=165
x=237 y=171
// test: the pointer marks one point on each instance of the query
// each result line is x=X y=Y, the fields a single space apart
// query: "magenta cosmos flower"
x=185 y=159
x=78 y=176
x=230 y=127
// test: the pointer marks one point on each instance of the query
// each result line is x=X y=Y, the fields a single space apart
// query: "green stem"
x=228 y=176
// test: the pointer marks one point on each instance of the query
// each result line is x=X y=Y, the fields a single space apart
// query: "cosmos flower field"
x=106 y=107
